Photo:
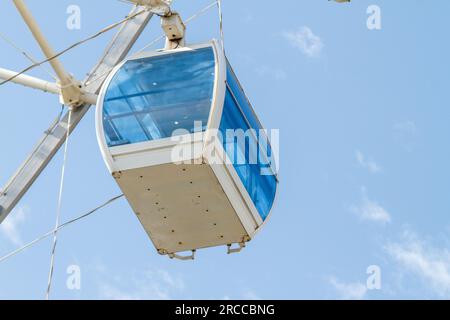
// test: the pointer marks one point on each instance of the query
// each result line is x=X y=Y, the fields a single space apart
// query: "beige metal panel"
x=233 y=187
x=237 y=199
x=182 y=208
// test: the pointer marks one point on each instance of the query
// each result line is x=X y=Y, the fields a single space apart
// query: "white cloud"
x=248 y=17
x=148 y=285
x=407 y=127
x=267 y=71
x=368 y=164
x=406 y=134
x=10 y=227
x=371 y=210
x=305 y=40
x=243 y=294
x=349 y=291
x=424 y=260
x=251 y=295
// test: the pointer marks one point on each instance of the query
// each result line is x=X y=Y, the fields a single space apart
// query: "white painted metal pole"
x=31 y=82
x=71 y=92
x=43 y=85
x=63 y=76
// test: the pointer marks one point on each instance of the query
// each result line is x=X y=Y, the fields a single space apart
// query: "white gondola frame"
x=121 y=158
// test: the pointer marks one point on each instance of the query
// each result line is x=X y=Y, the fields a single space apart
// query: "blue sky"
x=363 y=116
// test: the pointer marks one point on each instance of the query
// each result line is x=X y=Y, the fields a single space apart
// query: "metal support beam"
x=51 y=142
x=30 y=82
x=71 y=92
x=43 y=85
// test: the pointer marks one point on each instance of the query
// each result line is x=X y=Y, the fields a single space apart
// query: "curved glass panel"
x=247 y=147
x=149 y=98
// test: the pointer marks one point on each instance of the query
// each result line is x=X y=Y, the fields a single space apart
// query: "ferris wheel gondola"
x=157 y=104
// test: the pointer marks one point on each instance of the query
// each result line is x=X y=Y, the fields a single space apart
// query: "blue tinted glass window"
x=150 y=98
x=240 y=96
x=261 y=188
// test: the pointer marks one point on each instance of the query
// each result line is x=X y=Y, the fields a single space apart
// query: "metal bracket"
x=158 y=7
x=117 y=175
x=171 y=21
x=183 y=258
x=175 y=31
x=235 y=250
